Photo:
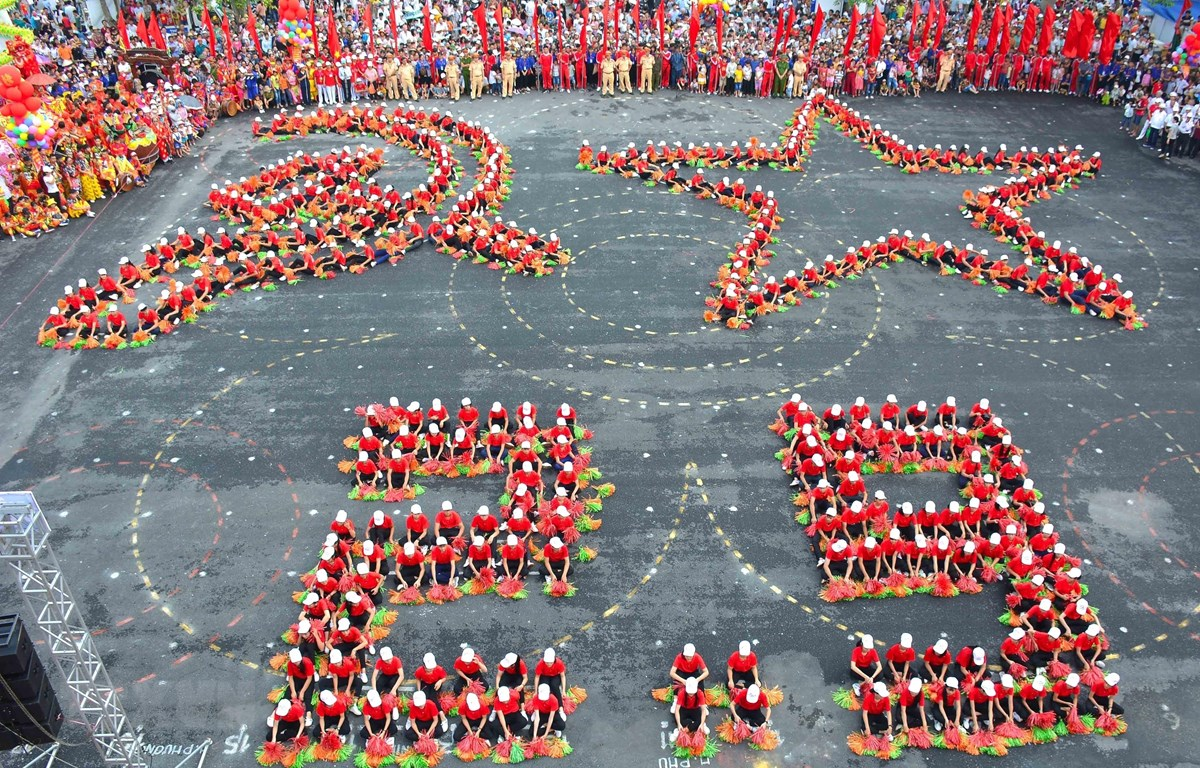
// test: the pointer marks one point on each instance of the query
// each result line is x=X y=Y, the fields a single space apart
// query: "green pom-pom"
x=842 y=697
x=1060 y=727
x=1044 y=735
x=804 y=517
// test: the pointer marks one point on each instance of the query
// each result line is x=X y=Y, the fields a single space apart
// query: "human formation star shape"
x=742 y=293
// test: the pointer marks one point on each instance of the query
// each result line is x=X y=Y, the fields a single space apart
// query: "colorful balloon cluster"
x=23 y=121
x=1191 y=46
x=293 y=28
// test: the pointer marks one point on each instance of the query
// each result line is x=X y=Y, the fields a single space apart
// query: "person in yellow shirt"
x=508 y=75
x=624 y=64
x=454 y=78
x=407 y=73
x=607 y=68
x=391 y=77
x=478 y=81
x=646 y=73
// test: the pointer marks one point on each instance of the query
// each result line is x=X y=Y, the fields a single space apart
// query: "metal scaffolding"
x=24 y=543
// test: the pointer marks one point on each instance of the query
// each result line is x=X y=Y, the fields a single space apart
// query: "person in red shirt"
x=900 y=657
x=331 y=714
x=950 y=704
x=912 y=705
x=341 y=672
x=468 y=669
x=548 y=715
x=485 y=524
x=366 y=471
x=468 y=416
x=690 y=708
x=1066 y=692
x=448 y=523
x=511 y=673
x=287 y=721
x=556 y=559
x=937 y=660
x=864 y=663
x=416 y=526
x=877 y=710
x=445 y=562
x=380 y=529
x=513 y=558
x=742 y=667
x=388 y=673
x=474 y=714
x=424 y=719
x=1104 y=693
x=300 y=673
x=688 y=664
x=509 y=717
x=750 y=706
x=982 y=697
x=377 y=718
x=551 y=671
x=430 y=676
x=410 y=566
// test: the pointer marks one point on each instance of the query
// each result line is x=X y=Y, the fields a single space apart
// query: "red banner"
x=1047 y=34
x=252 y=28
x=500 y=26
x=818 y=22
x=927 y=27
x=156 y=35
x=1005 y=31
x=427 y=28
x=369 y=18
x=941 y=26
x=789 y=25
x=228 y=37
x=142 y=34
x=1112 y=30
x=693 y=27
x=720 y=30
x=123 y=29
x=1087 y=35
x=312 y=23
x=851 y=32
x=205 y=19
x=994 y=32
x=335 y=42
x=875 y=41
x=392 y=26
x=912 y=26
x=1029 y=30
x=973 y=29
x=480 y=14
x=660 y=19
x=1070 y=49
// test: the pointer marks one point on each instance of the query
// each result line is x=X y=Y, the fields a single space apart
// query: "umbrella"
x=191 y=102
x=40 y=78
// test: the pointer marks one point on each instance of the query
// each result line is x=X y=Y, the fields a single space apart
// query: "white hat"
x=385 y=653
x=880 y=689
x=689 y=650
x=543 y=692
x=914 y=685
x=940 y=646
x=906 y=640
x=752 y=693
x=418 y=699
x=335 y=656
x=429 y=661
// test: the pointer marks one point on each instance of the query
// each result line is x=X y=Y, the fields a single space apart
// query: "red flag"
x=818 y=22
x=537 y=39
x=1087 y=34
x=335 y=42
x=480 y=15
x=1005 y=31
x=791 y=23
x=852 y=31
x=121 y=27
x=558 y=31
x=720 y=30
x=427 y=29
x=604 y=14
x=912 y=25
x=369 y=18
x=142 y=34
x=693 y=27
x=660 y=21
x=617 y=23
x=637 y=17
x=1112 y=30
x=1071 y=43
x=583 y=33
x=941 y=26
x=500 y=26
x=994 y=32
x=778 y=33
x=392 y=25
x=973 y=29
x=875 y=41
x=156 y=34
x=252 y=27
x=205 y=19
x=930 y=21
x=228 y=37
x=1029 y=30
x=1047 y=35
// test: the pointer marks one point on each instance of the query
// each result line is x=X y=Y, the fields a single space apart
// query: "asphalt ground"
x=188 y=483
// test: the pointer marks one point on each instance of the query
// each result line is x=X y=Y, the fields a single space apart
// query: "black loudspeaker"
x=29 y=710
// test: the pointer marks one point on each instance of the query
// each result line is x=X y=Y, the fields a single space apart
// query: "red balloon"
x=4 y=109
x=33 y=103
x=13 y=93
x=9 y=75
x=17 y=111
x=26 y=90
